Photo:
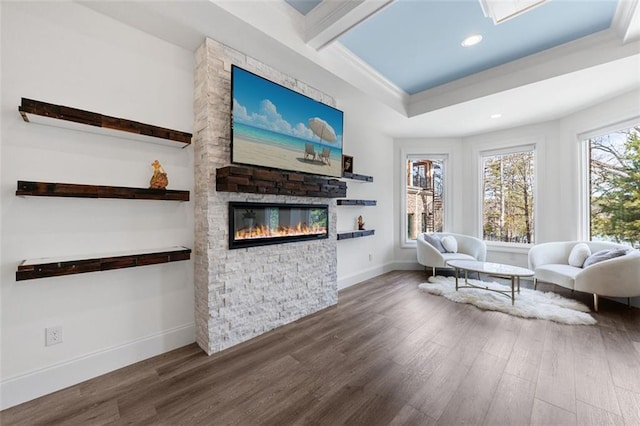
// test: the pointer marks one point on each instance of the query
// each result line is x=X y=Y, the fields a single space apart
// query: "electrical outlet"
x=52 y=335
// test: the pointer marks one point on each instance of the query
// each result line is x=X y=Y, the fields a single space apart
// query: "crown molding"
x=363 y=76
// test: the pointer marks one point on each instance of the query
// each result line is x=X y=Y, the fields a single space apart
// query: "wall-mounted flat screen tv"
x=273 y=126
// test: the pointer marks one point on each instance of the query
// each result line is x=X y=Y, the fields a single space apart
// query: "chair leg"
x=595 y=302
x=433 y=271
x=535 y=283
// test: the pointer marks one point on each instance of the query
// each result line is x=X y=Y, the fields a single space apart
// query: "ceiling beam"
x=331 y=18
x=627 y=20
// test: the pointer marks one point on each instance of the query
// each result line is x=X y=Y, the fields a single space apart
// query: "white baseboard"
x=25 y=387
x=406 y=265
x=352 y=279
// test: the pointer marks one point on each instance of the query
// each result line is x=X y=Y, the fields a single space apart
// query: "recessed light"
x=496 y=115
x=472 y=40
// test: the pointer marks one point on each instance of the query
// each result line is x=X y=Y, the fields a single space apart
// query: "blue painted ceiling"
x=416 y=44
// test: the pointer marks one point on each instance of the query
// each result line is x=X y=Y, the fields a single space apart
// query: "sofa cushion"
x=456 y=256
x=450 y=244
x=603 y=255
x=561 y=274
x=579 y=253
x=435 y=242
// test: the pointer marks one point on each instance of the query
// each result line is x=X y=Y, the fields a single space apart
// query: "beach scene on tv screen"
x=277 y=127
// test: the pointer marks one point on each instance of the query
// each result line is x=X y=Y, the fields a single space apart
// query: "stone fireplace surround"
x=240 y=294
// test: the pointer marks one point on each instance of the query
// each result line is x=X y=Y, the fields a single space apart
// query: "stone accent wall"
x=243 y=293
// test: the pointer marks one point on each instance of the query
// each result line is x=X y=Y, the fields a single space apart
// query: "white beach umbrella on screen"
x=322 y=129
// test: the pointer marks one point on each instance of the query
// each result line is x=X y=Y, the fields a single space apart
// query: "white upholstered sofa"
x=616 y=277
x=469 y=248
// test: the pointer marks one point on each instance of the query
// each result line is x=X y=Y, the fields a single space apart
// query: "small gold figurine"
x=360 y=223
x=159 y=179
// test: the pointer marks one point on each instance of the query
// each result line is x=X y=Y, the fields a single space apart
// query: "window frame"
x=508 y=148
x=446 y=189
x=584 y=208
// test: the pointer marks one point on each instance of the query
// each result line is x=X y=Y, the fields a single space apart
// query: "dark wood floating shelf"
x=43 y=268
x=355 y=234
x=67 y=117
x=50 y=189
x=356 y=202
x=355 y=176
x=256 y=180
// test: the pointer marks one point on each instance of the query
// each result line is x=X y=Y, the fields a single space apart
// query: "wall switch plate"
x=52 y=335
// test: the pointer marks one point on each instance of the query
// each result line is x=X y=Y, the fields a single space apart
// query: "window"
x=614 y=186
x=424 y=196
x=508 y=195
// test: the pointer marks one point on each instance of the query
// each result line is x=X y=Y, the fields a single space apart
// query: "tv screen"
x=273 y=126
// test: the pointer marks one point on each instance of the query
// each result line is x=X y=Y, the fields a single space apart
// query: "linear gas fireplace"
x=259 y=224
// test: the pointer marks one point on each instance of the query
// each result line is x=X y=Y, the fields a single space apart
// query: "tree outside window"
x=508 y=191
x=614 y=187
x=424 y=196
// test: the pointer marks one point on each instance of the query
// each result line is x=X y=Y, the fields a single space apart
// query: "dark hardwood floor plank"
x=409 y=416
x=556 y=377
x=388 y=353
x=339 y=404
x=378 y=409
x=512 y=403
x=545 y=414
x=503 y=338
x=287 y=412
x=629 y=406
x=475 y=393
x=413 y=345
x=623 y=359
x=238 y=399
x=40 y=410
x=589 y=415
x=436 y=392
x=594 y=383
x=272 y=394
x=526 y=355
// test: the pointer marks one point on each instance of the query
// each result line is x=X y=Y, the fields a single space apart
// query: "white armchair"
x=469 y=248
x=617 y=277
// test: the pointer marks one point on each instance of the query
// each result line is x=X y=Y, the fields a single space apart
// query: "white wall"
x=66 y=54
x=363 y=258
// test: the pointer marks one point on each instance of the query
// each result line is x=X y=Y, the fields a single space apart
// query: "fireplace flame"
x=263 y=231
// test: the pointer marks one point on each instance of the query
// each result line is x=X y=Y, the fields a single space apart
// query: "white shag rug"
x=529 y=303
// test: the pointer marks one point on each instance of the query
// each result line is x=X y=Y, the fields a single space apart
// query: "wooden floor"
x=387 y=354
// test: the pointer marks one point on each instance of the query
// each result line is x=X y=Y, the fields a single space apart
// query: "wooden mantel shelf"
x=355 y=234
x=51 y=189
x=52 y=267
x=355 y=176
x=62 y=116
x=346 y=202
x=259 y=180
